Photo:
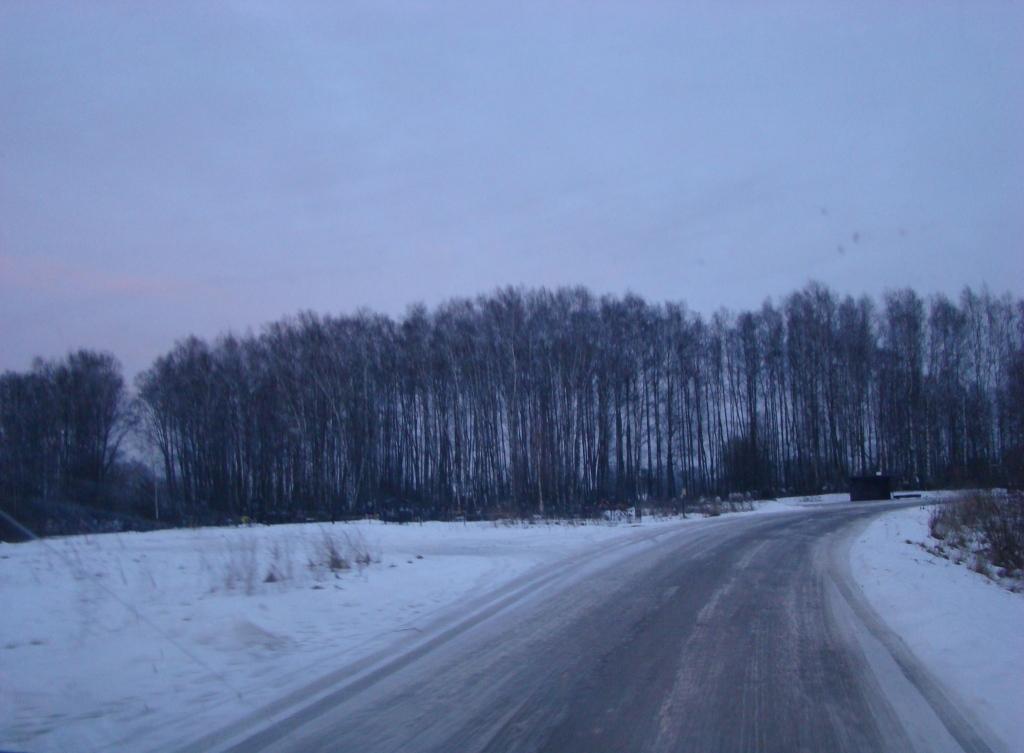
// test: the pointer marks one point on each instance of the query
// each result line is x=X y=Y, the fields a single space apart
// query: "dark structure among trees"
x=870 y=488
x=534 y=401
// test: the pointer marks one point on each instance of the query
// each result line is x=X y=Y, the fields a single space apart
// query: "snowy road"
x=745 y=634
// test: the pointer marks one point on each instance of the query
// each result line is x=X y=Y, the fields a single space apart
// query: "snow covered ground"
x=112 y=639
x=967 y=630
x=134 y=641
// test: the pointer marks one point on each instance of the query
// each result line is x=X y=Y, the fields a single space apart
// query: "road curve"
x=736 y=635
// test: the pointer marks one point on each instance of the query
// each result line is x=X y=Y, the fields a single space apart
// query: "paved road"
x=738 y=635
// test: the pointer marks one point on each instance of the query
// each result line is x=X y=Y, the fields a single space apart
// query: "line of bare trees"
x=62 y=426
x=537 y=401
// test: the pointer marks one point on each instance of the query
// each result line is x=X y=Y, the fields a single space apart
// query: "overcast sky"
x=173 y=168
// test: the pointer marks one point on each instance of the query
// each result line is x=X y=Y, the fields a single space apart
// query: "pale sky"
x=172 y=168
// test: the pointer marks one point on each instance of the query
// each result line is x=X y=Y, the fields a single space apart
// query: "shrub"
x=330 y=552
x=280 y=567
x=337 y=551
x=242 y=564
x=988 y=525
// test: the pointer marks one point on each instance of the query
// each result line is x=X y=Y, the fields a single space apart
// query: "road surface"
x=740 y=634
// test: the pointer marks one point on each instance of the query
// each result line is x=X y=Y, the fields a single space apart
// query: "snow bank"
x=966 y=629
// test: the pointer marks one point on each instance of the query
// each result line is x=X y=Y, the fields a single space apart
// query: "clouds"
x=46 y=277
x=376 y=154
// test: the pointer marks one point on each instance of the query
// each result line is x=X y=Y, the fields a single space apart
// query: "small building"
x=867 y=488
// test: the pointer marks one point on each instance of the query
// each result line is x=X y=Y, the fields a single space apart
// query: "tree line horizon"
x=528 y=401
